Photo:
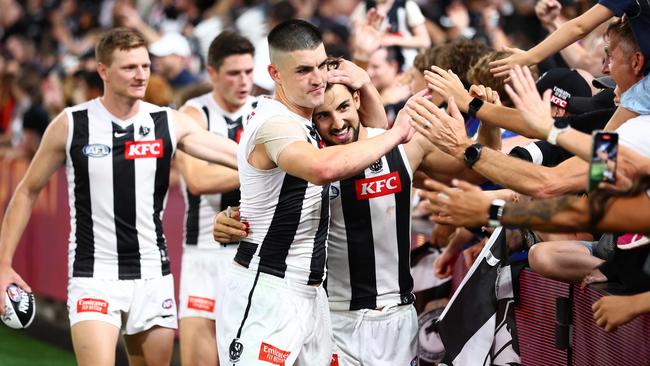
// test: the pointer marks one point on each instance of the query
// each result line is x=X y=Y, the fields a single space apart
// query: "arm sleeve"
x=413 y=14
x=277 y=133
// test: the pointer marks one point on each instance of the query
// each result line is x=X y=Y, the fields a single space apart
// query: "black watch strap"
x=474 y=106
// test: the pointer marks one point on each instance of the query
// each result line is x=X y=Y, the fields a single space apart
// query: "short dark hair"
x=123 y=39
x=228 y=43
x=294 y=34
x=621 y=31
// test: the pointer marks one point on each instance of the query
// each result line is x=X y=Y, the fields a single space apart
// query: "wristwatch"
x=496 y=212
x=472 y=154
x=474 y=106
x=560 y=125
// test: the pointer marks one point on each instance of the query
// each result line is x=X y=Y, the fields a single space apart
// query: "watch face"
x=561 y=123
x=471 y=153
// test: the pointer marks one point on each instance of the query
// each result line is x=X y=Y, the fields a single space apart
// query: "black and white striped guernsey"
x=201 y=209
x=118 y=175
x=287 y=216
x=370 y=235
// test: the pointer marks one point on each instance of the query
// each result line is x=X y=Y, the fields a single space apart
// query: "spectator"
x=171 y=57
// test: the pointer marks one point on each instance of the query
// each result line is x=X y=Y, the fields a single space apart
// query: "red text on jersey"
x=200 y=303
x=88 y=305
x=143 y=149
x=378 y=186
x=272 y=354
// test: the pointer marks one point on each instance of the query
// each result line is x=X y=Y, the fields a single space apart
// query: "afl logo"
x=96 y=150
x=14 y=294
x=377 y=166
x=334 y=192
x=167 y=304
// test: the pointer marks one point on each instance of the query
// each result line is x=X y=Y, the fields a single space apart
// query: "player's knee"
x=540 y=258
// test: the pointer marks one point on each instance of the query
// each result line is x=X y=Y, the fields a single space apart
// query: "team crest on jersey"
x=144 y=131
x=378 y=186
x=143 y=149
x=377 y=166
x=334 y=192
x=235 y=351
x=168 y=303
x=96 y=150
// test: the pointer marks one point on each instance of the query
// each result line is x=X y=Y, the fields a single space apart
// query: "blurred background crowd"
x=47 y=46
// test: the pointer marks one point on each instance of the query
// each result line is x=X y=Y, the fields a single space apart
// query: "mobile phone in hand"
x=602 y=165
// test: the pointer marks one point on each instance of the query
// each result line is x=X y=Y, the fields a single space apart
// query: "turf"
x=18 y=349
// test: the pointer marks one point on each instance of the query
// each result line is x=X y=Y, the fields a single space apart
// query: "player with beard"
x=369 y=283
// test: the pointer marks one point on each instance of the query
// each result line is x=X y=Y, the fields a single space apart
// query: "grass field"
x=18 y=349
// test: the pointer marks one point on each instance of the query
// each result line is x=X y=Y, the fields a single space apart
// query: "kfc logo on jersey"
x=558 y=101
x=143 y=149
x=378 y=186
x=92 y=306
x=272 y=354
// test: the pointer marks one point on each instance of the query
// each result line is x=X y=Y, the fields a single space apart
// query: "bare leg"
x=152 y=347
x=94 y=343
x=198 y=342
x=566 y=261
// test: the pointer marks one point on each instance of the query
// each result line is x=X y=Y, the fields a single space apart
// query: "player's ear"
x=274 y=73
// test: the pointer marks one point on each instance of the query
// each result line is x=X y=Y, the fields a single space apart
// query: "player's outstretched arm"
x=202 y=144
x=49 y=157
x=320 y=166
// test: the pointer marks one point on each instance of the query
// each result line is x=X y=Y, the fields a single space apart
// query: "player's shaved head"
x=292 y=35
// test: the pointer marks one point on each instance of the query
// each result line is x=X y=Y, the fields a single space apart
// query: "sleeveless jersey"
x=118 y=175
x=287 y=216
x=201 y=209
x=370 y=235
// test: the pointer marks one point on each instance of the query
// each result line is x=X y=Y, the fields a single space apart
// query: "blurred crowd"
x=47 y=46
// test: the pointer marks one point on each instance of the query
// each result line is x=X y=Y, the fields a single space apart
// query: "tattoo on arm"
x=537 y=214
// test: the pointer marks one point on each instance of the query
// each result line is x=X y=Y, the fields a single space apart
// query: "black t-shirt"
x=553 y=155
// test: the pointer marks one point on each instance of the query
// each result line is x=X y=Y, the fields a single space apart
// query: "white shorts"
x=146 y=302
x=203 y=273
x=284 y=323
x=385 y=337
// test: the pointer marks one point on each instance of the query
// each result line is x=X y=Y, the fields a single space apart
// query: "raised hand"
x=366 y=34
x=349 y=74
x=501 y=68
x=535 y=109
x=462 y=205
x=444 y=129
x=447 y=84
x=485 y=93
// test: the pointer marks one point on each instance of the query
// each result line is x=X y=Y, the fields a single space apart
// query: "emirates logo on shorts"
x=235 y=351
x=88 y=305
x=272 y=354
x=200 y=303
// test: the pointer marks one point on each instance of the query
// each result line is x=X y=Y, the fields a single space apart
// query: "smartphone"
x=602 y=166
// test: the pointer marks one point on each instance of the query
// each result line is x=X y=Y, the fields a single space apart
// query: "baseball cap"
x=604 y=82
x=171 y=43
x=565 y=84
